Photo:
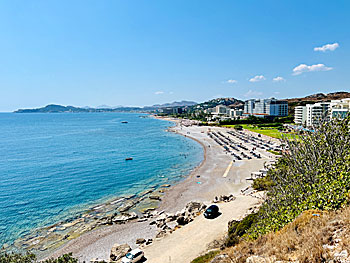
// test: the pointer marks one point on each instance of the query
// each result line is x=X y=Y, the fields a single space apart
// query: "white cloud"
x=252 y=94
x=257 y=78
x=326 y=47
x=231 y=81
x=171 y=92
x=278 y=79
x=159 y=92
x=305 y=68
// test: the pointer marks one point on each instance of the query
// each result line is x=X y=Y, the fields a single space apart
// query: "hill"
x=182 y=103
x=53 y=108
x=230 y=102
x=318 y=97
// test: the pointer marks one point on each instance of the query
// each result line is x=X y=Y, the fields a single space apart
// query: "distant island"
x=53 y=108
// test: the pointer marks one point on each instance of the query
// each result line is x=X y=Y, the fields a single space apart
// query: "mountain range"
x=191 y=105
x=54 y=108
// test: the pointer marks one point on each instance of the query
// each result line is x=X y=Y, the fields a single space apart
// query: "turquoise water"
x=54 y=166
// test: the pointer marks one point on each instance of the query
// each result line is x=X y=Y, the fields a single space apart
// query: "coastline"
x=45 y=240
x=204 y=183
x=123 y=228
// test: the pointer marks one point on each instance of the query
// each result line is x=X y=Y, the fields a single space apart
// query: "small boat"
x=128 y=159
x=124 y=122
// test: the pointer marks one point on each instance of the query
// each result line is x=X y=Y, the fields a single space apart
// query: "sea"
x=55 y=166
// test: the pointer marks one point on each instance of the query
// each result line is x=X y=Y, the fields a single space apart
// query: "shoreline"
x=45 y=241
x=202 y=184
x=104 y=229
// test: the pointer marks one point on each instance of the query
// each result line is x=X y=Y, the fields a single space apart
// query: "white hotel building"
x=223 y=112
x=312 y=114
x=266 y=107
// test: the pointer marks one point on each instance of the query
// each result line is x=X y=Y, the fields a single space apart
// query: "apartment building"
x=300 y=115
x=223 y=112
x=316 y=113
x=340 y=108
x=266 y=107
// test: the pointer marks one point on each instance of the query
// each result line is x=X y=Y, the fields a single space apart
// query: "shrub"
x=237 y=229
x=313 y=174
x=262 y=184
x=31 y=258
x=206 y=258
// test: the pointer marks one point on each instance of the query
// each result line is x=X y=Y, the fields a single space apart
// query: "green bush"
x=31 y=258
x=238 y=229
x=262 y=184
x=206 y=258
x=17 y=258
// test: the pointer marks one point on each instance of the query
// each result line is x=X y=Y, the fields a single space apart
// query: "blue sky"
x=144 y=52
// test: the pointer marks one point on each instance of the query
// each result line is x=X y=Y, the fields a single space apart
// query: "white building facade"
x=266 y=107
x=317 y=113
x=340 y=108
x=300 y=115
x=313 y=114
x=223 y=112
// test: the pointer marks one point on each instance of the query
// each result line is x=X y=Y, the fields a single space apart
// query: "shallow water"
x=56 y=166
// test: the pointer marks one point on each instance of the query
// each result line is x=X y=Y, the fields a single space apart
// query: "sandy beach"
x=217 y=175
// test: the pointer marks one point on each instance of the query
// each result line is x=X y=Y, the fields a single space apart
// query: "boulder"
x=140 y=241
x=105 y=221
x=193 y=207
x=161 y=234
x=224 y=198
x=216 y=199
x=155 y=197
x=170 y=218
x=118 y=251
x=183 y=220
x=149 y=241
x=124 y=217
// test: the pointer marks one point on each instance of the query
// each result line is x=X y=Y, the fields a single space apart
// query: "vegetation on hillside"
x=31 y=258
x=313 y=174
x=206 y=258
x=314 y=236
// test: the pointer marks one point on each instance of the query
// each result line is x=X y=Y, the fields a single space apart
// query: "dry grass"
x=302 y=240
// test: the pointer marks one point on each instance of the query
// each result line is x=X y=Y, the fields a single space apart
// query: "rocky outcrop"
x=124 y=217
x=155 y=197
x=118 y=251
x=224 y=198
x=140 y=241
